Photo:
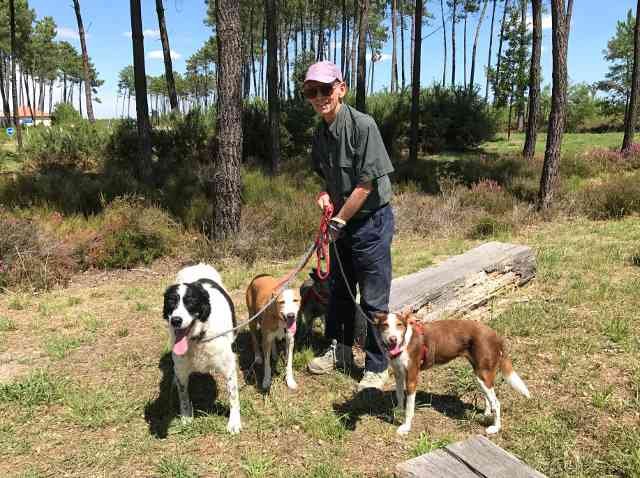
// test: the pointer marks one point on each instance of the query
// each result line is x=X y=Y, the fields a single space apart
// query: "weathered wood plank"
x=487 y=459
x=463 y=282
x=437 y=464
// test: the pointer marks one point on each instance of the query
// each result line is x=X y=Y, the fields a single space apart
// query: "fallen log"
x=464 y=282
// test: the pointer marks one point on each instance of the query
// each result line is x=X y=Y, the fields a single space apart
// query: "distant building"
x=26 y=118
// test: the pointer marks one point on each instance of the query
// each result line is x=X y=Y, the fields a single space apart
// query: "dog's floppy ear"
x=171 y=299
x=204 y=306
x=378 y=318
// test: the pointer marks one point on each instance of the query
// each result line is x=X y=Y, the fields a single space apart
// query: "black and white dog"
x=196 y=308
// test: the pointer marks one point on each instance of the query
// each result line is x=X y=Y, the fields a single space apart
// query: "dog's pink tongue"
x=292 y=327
x=182 y=344
x=395 y=351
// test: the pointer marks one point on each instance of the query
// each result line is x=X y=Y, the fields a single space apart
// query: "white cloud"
x=66 y=33
x=384 y=57
x=148 y=33
x=158 y=55
x=546 y=22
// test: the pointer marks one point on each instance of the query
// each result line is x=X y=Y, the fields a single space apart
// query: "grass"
x=90 y=393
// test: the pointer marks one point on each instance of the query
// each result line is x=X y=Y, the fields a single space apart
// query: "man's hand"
x=336 y=226
x=323 y=200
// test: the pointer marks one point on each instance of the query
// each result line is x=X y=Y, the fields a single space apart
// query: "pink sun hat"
x=323 y=72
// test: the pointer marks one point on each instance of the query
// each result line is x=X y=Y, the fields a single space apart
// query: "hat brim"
x=322 y=78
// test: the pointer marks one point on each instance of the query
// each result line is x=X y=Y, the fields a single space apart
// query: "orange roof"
x=26 y=111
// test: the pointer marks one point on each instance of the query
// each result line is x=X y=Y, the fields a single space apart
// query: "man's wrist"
x=339 y=220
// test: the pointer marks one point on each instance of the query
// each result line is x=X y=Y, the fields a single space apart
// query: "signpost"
x=10 y=131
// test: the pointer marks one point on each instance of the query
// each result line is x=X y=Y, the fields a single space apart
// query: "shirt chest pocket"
x=347 y=178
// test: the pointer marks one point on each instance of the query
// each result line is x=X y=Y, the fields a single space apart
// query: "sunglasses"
x=311 y=92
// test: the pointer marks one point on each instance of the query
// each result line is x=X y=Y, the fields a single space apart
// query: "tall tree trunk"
x=561 y=22
x=50 y=96
x=354 y=54
x=464 y=51
x=454 y=13
x=5 y=102
x=343 y=46
x=523 y=68
x=253 y=56
x=14 y=88
x=225 y=171
x=493 y=16
x=264 y=34
x=415 y=84
x=140 y=80
x=444 y=45
x=394 y=53
x=504 y=18
x=632 y=110
x=361 y=88
x=320 y=56
x=79 y=99
x=166 y=50
x=475 y=46
x=85 y=62
x=25 y=81
x=271 y=13
x=534 y=82
x=404 y=83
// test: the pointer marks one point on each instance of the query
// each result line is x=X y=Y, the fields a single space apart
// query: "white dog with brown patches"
x=197 y=308
x=278 y=321
x=415 y=346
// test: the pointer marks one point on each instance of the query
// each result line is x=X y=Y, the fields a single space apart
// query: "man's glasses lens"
x=313 y=91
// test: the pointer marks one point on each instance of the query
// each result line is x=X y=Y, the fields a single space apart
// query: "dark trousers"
x=365 y=254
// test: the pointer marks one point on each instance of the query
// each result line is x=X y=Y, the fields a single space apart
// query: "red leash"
x=322 y=243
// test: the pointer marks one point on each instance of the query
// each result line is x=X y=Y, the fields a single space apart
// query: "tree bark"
x=534 y=82
x=140 y=81
x=453 y=42
x=271 y=15
x=225 y=177
x=85 y=63
x=5 y=101
x=493 y=16
x=464 y=52
x=444 y=45
x=632 y=110
x=343 y=47
x=361 y=88
x=404 y=83
x=561 y=21
x=394 y=53
x=475 y=45
x=14 y=88
x=354 y=54
x=415 y=87
x=504 y=18
x=166 y=50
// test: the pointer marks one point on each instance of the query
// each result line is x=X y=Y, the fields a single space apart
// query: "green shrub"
x=256 y=138
x=132 y=233
x=614 y=198
x=69 y=146
x=488 y=226
x=30 y=257
x=65 y=114
x=488 y=195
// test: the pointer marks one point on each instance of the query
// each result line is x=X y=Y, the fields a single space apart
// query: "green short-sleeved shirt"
x=349 y=152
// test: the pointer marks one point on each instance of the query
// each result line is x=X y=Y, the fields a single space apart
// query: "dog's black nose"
x=392 y=341
x=291 y=316
x=176 y=321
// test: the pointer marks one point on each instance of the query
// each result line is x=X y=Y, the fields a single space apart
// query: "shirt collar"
x=335 y=127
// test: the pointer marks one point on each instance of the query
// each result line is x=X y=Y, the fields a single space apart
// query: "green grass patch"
x=7 y=325
x=39 y=388
x=426 y=444
x=175 y=467
x=59 y=346
x=257 y=466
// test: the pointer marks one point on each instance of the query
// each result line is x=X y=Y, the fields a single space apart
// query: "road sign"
x=10 y=131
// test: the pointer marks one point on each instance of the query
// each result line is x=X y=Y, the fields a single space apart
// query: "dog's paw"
x=291 y=383
x=257 y=360
x=487 y=412
x=403 y=429
x=266 y=383
x=492 y=430
x=234 y=426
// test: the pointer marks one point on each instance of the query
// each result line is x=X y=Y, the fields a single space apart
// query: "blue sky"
x=108 y=26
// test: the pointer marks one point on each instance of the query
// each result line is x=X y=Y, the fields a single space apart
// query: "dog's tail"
x=512 y=378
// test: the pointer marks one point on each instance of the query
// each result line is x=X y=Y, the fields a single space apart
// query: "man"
x=348 y=153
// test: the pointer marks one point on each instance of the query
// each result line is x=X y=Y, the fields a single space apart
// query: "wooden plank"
x=465 y=281
x=489 y=460
x=437 y=464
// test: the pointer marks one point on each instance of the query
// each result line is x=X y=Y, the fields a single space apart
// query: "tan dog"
x=413 y=346
x=277 y=321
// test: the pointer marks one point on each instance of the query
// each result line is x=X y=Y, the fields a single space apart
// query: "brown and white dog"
x=414 y=346
x=278 y=321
